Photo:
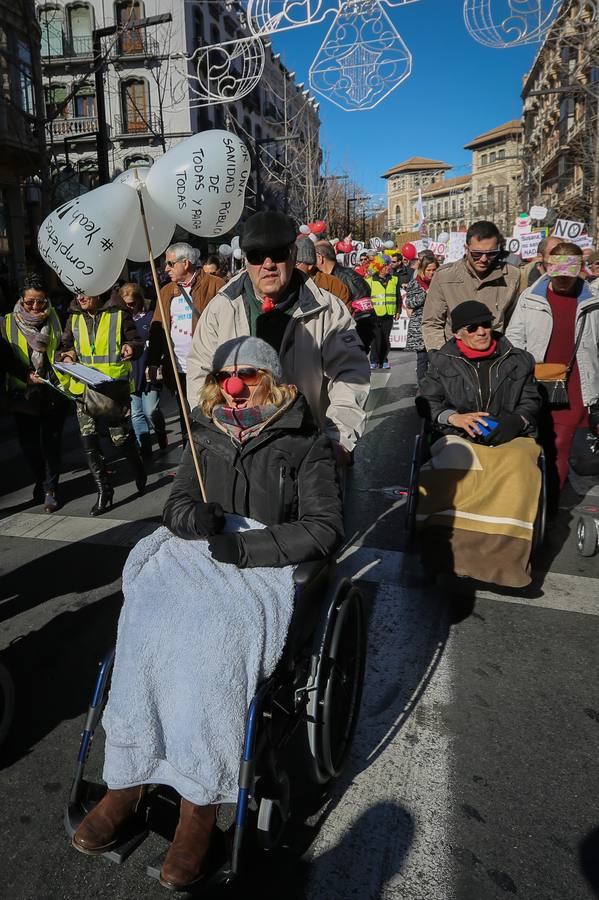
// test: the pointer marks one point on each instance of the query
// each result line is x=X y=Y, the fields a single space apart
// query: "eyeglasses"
x=275 y=254
x=472 y=328
x=490 y=254
x=38 y=304
x=169 y=263
x=248 y=375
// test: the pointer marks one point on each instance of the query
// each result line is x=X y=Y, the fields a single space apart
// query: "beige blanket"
x=477 y=507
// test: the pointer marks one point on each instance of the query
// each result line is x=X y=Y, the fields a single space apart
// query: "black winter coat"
x=452 y=383
x=285 y=477
x=357 y=286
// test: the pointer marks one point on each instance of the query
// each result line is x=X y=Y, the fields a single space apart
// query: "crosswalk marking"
x=72 y=529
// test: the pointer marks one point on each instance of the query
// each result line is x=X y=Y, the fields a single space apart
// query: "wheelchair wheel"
x=412 y=498
x=337 y=686
x=538 y=534
x=7 y=702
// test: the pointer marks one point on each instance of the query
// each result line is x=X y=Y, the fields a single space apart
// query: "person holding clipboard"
x=103 y=336
x=33 y=387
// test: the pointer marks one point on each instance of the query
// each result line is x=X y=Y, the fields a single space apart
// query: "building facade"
x=447 y=205
x=150 y=105
x=22 y=156
x=561 y=118
x=497 y=175
x=403 y=181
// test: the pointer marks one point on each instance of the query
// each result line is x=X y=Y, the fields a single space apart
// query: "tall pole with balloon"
x=199 y=184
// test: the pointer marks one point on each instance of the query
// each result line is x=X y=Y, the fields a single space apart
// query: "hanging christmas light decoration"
x=509 y=23
x=222 y=73
x=268 y=16
x=362 y=58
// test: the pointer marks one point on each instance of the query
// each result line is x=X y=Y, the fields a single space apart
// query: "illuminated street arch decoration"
x=220 y=73
x=267 y=16
x=362 y=58
x=509 y=23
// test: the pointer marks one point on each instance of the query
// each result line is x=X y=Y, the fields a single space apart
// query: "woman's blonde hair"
x=424 y=263
x=267 y=392
x=131 y=288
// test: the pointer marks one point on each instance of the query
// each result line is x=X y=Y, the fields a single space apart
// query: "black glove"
x=509 y=426
x=594 y=419
x=225 y=548
x=209 y=518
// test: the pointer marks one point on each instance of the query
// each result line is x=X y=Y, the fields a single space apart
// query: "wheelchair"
x=422 y=453
x=298 y=731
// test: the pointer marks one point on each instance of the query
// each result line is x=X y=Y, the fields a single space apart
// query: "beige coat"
x=320 y=353
x=454 y=283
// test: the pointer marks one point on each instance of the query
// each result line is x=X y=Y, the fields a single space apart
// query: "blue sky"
x=457 y=90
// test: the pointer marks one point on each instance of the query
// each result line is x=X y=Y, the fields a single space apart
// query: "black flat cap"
x=265 y=230
x=470 y=312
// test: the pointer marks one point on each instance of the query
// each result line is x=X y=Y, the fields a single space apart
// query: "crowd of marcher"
x=274 y=365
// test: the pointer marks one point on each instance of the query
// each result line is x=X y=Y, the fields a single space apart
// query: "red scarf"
x=469 y=353
x=424 y=284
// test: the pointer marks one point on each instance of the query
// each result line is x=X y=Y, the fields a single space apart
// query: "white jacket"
x=532 y=323
x=321 y=353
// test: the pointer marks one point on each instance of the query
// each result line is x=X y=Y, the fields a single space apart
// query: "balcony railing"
x=72 y=127
x=135 y=42
x=136 y=125
x=72 y=47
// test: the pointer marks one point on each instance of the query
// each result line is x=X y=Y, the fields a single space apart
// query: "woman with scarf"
x=416 y=293
x=557 y=321
x=33 y=332
x=262 y=457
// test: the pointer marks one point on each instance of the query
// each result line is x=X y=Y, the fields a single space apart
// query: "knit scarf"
x=243 y=424
x=469 y=353
x=424 y=283
x=36 y=331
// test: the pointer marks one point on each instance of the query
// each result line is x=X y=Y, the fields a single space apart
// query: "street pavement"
x=473 y=774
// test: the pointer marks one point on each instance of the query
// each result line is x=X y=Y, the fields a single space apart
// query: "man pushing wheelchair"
x=478 y=495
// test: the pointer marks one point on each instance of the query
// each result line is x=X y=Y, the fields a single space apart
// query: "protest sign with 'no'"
x=200 y=185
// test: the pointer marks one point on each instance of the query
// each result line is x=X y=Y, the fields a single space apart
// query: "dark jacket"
x=142 y=324
x=129 y=333
x=452 y=384
x=357 y=286
x=285 y=477
x=9 y=363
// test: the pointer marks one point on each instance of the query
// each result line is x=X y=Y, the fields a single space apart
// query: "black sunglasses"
x=247 y=374
x=275 y=254
x=490 y=254
x=472 y=328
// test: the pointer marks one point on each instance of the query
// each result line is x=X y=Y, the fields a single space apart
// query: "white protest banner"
x=455 y=246
x=350 y=259
x=512 y=245
x=529 y=244
x=399 y=332
x=438 y=248
x=584 y=241
x=376 y=243
x=568 y=230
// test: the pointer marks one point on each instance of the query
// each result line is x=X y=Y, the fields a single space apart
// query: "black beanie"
x=470 y=312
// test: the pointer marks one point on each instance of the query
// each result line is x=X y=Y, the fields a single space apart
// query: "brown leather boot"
x=100 y=829
x=185 y=858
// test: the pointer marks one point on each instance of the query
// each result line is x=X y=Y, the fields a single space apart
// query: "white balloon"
x=235 y=242
x=304 y=229
x=237 y=253
x=340 y=257
x=160 y=227
x=389 y=245
x=225 y=250
x=201 y=182
x=443 y=237
x=313 y=238
x=86 y=240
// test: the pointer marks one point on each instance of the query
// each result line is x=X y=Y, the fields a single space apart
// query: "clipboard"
x=85 y=374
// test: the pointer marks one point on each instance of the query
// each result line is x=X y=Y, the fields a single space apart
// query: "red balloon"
x=408 y=251
x=344 y=247
x=317 y=227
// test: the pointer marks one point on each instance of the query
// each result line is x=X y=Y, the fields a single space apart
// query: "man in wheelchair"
x=478 y=495
x=208 y=602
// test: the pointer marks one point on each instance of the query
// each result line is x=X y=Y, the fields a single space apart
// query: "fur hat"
x=248 y=351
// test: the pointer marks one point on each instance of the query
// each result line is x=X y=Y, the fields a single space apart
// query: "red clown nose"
x=233 y=386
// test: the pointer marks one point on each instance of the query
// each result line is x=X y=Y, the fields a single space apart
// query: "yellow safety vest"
x=20 y=348
x=102 y=349
x=383 y=297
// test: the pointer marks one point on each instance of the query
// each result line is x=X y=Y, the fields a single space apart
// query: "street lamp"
x=99 y=68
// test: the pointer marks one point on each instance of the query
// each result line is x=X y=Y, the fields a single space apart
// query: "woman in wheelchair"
x=199 y=626
x=479 y=494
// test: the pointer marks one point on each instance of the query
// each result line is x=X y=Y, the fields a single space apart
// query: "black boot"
x=145 y=447
x=95 y=461
x=133 y=457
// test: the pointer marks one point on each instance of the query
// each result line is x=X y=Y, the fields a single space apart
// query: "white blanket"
x=195 y=638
